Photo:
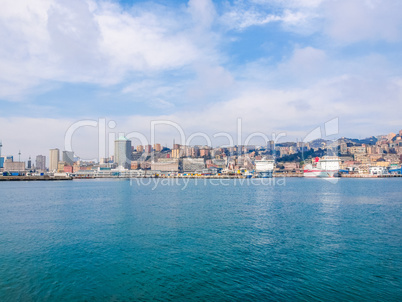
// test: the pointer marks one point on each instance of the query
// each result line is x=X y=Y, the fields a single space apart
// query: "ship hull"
x=320 y=173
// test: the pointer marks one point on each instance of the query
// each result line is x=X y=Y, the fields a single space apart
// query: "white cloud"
x=361 y=103
x=203 y=12
x=292 y=15
x=210 y=80
x=359 y=20
x=343 y=21
x=93 y=42
x=241 y=19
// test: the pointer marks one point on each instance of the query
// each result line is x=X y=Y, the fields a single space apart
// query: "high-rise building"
x=54 y=159
x=158 y=147
x=148 y=149
x=140 y=148
x=122 y=152
x=40 y=162
x=204 y=152
x=2 y=159
x=68 y=157
x=29 y=163
x=176 y=153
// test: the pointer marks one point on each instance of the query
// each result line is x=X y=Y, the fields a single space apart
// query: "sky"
x=279 y=66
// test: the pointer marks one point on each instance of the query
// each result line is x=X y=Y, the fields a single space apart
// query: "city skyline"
x=124 y=146
x=281 y=66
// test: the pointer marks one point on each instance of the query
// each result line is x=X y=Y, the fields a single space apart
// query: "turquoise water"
x=116 y=240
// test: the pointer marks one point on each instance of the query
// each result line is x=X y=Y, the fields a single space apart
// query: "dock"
x=370 y=176
x=33 y=178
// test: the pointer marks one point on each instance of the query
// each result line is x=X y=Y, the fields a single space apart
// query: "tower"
x=122 y=152
x=1 y=158
x=54 y=159
x=41 y=162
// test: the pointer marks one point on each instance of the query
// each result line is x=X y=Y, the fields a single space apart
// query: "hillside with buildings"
x=356 y=156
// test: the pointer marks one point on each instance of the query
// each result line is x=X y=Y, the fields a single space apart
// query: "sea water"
x=193 y=240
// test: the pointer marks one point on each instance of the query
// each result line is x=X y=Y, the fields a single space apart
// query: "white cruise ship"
x=327 y=166
x=265 y=167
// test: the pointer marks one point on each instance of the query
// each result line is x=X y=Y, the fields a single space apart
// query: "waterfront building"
x=219 y=163
x=2 y=158
x=60 y=166
x=54 y=159
x=40 y=163
x=68 y=169
x=16 y=166
x=166 y=165
x=193 y=164
x=378 y=170
x=122 y=153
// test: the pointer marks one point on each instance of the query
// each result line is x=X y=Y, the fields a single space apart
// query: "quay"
x=275 y=175
x=34 y=178
x=370 y=175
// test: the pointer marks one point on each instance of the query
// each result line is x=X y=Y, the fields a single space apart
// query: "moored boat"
x=326 y=167
x=265 y=167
